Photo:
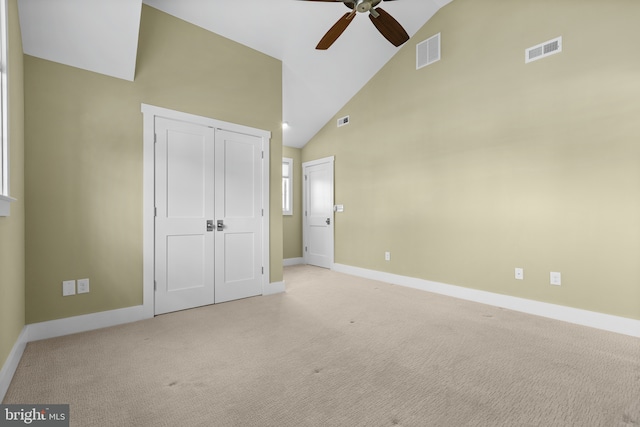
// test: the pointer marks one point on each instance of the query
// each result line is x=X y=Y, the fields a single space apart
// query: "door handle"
x=220 y=225
x=328 y=221
x=210 y=225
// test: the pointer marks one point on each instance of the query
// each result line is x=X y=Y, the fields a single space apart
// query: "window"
x=4 y=134
x=287 y=186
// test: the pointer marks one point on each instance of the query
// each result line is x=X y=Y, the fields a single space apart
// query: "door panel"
x=186 y=169
x=184 y=201
x=239 y=258
x=239 y=205
x=240 y=181
x=318 y=220
x=185 y=262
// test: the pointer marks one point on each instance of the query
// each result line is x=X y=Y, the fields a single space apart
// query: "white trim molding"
x=86 y=322
x=287 y=196
x=606 y=322
x=274 y=288
x=11 y=364
x=5 y=200
x=5 y=205
x=292 y=261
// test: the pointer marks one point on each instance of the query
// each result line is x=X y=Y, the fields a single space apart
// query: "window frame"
x=288 y=161
x=5 y=200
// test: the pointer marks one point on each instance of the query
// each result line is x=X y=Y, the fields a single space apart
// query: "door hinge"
x=305 y=177
x=305 y=249
x=262 y=212
x=262 y=270
x=155 y=211
x=155 y=138
x=263 y=154
x=155 y=285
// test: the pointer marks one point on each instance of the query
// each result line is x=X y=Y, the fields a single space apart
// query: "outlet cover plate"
x=68 y=288
x=555 y=278
x=519 y=273
x=387 y=256
x=83 y=286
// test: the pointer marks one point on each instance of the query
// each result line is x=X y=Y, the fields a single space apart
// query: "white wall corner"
x=606 y=322
x=292 y=261
x=11 y=364
x=274 y=288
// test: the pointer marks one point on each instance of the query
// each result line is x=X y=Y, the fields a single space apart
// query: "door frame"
x=331 y=160
x=150 y=113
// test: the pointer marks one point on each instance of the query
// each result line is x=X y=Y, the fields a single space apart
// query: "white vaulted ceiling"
x=95 y=35
x=102 y=36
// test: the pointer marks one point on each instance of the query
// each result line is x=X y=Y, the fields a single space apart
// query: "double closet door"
x=208 y=224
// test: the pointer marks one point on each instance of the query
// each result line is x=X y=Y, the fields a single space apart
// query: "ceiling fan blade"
x=335 y=31
x=389 y=27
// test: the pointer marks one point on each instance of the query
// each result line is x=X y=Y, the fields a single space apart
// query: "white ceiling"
x=102 y=36
x=95 y=35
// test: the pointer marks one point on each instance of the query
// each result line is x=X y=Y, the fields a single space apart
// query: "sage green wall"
x=292 y=224
x=478 y=164
x=12 y=251
x=84 y=156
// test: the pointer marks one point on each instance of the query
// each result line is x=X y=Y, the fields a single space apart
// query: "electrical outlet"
x=83 y=286
x=68 y=288
x=555 y=278
x=387 y=256
x=519 y=274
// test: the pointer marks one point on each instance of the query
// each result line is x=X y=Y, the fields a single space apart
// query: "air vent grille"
x=428 y=51
x=543 y=50
x=342 y=121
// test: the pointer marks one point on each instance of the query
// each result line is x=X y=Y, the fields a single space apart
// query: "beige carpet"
x=338 y=351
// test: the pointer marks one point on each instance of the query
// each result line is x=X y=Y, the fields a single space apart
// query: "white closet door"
x=238 y=211
x=184 y=249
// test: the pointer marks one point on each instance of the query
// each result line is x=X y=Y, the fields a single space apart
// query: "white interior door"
x=239 y=212
x=184 y=249
x=318 y=210
x=209 y=211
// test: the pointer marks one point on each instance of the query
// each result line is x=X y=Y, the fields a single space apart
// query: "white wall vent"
x=543 y=50
x=343 y=121
x=428 y=51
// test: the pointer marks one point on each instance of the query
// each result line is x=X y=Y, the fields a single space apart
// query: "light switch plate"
x=83 y=286
x=68 y=288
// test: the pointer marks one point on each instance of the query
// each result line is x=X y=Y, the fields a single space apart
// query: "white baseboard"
x=86 y=322
x=274 y=288
x=292 y=261
x=607 y=322
x=11 y=364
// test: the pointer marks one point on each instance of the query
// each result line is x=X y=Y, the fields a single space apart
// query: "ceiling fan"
x=385 y=23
